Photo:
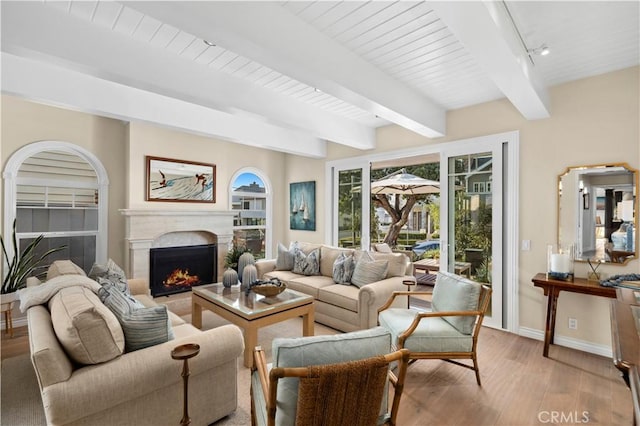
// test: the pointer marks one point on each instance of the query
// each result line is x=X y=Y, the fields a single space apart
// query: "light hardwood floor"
x=519 y=386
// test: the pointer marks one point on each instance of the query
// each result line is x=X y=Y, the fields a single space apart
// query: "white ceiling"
x=293 y=75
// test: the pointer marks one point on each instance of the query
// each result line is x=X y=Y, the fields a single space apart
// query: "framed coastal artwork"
x=302 y=206
x=178 y=180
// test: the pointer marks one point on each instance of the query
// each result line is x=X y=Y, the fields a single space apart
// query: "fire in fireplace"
x=177 y=269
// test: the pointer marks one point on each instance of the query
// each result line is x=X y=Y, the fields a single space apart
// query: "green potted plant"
x=232 y=256
x=21 y=265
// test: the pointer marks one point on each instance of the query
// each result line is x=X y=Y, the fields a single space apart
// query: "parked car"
x=423 y=246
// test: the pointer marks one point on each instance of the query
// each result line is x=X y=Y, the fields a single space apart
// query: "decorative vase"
x=249 y=275
x=245 y=259
x=230 y=277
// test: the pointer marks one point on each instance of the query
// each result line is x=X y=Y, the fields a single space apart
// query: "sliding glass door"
x=472 y=226
x=350 y=200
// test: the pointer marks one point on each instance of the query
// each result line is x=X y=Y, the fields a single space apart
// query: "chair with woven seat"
x=344 y=380
x=450 y=330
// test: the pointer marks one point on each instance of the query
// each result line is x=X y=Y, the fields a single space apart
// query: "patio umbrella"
x=404 y=183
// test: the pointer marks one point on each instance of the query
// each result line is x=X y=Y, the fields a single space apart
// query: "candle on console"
x=560 y=262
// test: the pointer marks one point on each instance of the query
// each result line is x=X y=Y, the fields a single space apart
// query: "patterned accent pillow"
x=142 y=326
x=368 y=271
x=307 y=264
x=110 y=273
x=343 y=268
x=285 y=259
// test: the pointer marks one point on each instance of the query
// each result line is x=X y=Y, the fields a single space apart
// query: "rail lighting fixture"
x=543 y=50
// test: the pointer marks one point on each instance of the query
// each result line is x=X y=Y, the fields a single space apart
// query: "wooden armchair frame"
x=269 y=382
x=483 y=304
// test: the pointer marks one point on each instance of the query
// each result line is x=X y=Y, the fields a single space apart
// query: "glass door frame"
x=509 y=213
x=470 y=147
x=333 y=170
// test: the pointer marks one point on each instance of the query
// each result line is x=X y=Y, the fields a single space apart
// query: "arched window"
x=250 y=195
x=59 y=190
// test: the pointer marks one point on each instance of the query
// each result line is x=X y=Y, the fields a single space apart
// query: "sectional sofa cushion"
x=397 y=263
x=142 y=326
x=64 y=267
x=328 y=256
x=455 y=293
x=87 y=330
x=382 y=248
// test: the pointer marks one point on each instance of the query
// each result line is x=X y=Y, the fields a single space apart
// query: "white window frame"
x=11 y=181
x=268 y=195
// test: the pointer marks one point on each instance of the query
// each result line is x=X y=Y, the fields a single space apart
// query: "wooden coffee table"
x=250 y=312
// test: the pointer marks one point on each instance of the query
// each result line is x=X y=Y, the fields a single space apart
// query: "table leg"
x=307 y=323
x=250 y=342
x=10 y=323
x=552 y=303
x=196 y=314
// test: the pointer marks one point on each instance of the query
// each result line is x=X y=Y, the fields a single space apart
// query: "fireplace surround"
x=146 y=229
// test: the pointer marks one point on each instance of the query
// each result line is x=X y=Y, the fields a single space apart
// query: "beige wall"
x=594 y=120
x=25 y=122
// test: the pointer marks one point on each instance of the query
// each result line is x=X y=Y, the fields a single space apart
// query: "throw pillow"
x=343 y=268
x=86 y=329
x=142 y=326
x=368 y=271
x=285 y=258
x=307 y=264
x=110 y=273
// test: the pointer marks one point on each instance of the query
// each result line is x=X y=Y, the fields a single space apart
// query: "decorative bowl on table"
x=268 y=288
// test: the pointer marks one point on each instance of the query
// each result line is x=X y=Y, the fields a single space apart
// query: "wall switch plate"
x=526 y=245
x=573 y=324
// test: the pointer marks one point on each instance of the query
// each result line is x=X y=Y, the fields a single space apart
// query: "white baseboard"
x=581 y=345
x=22 y=321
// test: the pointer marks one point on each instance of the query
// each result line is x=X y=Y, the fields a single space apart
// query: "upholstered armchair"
x=348 y=372
x=450 y=330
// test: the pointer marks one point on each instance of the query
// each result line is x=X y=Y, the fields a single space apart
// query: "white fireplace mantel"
x=145 y=227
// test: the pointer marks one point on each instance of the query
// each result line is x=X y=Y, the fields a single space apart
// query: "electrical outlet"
x=573 y=324
x=526 y=245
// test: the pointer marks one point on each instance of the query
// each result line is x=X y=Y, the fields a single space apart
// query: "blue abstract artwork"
x=302 y=206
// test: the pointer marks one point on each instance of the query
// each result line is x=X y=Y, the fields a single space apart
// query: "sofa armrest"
x=96 y=388
x=138 y=286
x=265 y=265
x=373 y=296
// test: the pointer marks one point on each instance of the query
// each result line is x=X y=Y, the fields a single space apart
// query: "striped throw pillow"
x=368 y=271
x=142 y=326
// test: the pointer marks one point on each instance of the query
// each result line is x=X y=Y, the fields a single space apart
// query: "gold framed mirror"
x=598 y=212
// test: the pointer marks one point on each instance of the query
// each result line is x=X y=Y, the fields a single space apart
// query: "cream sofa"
x=142 y=387
x=343 y=307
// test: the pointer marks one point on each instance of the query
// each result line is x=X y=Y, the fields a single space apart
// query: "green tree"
x=401 y=207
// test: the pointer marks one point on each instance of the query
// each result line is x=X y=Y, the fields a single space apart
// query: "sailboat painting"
x=302 y=206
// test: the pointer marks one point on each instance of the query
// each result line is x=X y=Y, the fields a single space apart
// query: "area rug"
x=22 y=405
